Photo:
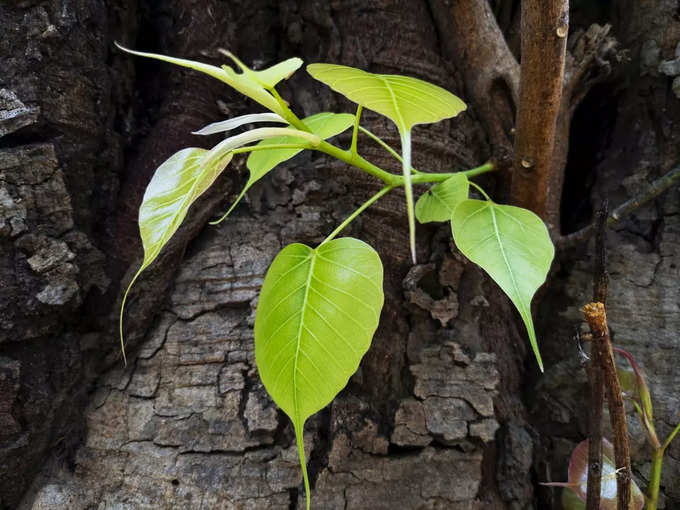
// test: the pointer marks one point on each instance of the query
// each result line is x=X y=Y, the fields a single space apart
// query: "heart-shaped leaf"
x=439 y=202
x=316 y=316
x=404 y=100
x=175 y=185
x=324 y=125
x=512 y=245
x=251 y=83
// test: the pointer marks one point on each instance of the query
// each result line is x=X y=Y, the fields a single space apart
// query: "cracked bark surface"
x=438 y=415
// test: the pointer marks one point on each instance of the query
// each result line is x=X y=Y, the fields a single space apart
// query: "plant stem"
x=383 y=144
x=391 y=179
x=671 y=436
x=359 y=162
x=357 y=212
x=654 y=479
x=655 y=472
x=355 y=132
x=478 y=188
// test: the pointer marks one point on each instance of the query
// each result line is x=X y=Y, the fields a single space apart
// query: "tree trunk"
x=447 y=409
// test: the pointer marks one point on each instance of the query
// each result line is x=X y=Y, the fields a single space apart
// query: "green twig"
x=672 y=435
x=355 y=131
x=359 y=162
x=383 y=144
x=357 y=212
x=654 y=480
x=478 y=188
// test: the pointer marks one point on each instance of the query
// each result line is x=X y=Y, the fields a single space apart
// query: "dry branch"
x=596 y=372
x=653 y=190
x=597 y=320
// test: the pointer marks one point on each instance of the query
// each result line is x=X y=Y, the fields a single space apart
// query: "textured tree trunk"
x=447 y=409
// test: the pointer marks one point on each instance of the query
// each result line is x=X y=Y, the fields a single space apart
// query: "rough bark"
x=436 y=416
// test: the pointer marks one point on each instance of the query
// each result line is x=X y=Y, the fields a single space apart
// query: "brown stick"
x=596 y=375
x=597 y=320
x=545 y=25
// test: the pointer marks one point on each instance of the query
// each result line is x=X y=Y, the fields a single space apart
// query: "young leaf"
x=404 y=100
x=245 y=83
x=229 y=124
x=578 y=477
x=512 y=245
x=269 y=77
x=323 y=125
x=233 y=142
x=317 y=313
x=439 y=202
x=177 y=183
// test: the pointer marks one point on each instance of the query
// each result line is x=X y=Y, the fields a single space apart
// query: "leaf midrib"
x=401 y=125
x=305 y=300
x=505 y=259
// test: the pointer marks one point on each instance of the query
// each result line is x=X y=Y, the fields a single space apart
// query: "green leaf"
x=175 y=185
x=512 y=245
x=439 y=202
x=324 y=125
x=269 y=77
x=251 y=83
x=317 y=313
x=254 y=135
x=404 y=100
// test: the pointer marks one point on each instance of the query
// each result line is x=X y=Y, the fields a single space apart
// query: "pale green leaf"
x=269 y=77
x=439 y=202
x=254 y=135
x=316 y=316
x=229 y=124
x=323 y=125
x=404 y=100
x=175 y=185
x=512 y=245
x=244 y=82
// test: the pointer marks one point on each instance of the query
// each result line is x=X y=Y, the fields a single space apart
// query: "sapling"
x=319 y=307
